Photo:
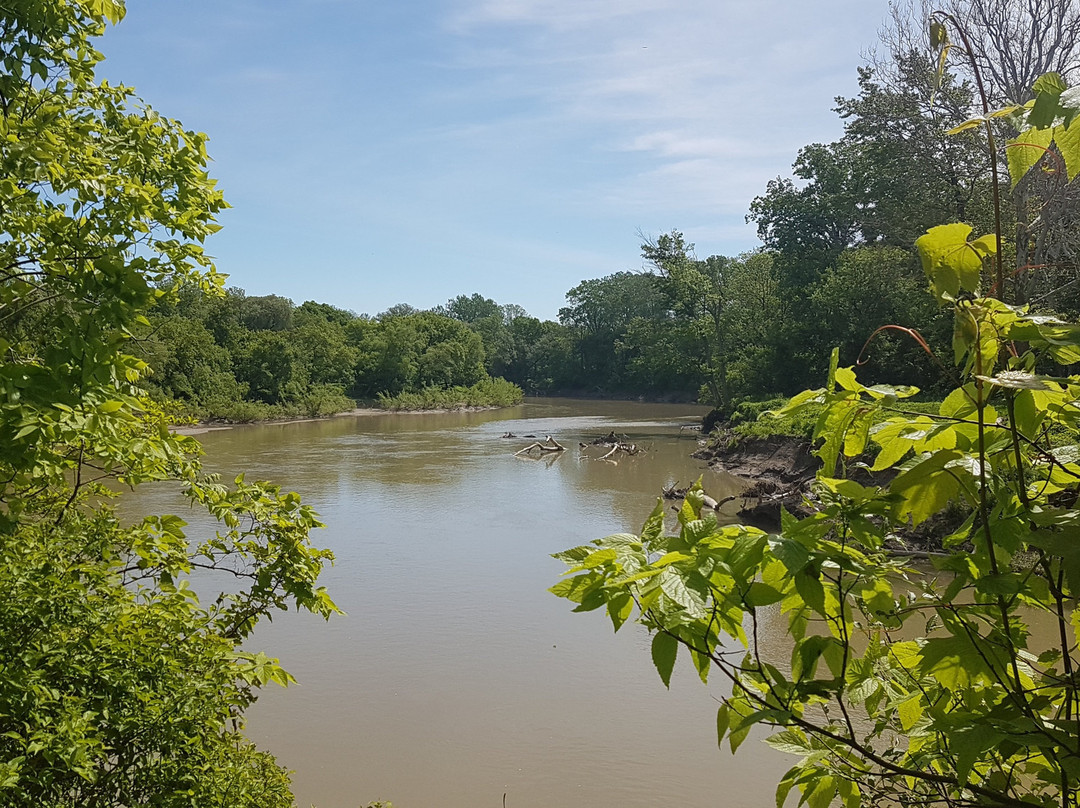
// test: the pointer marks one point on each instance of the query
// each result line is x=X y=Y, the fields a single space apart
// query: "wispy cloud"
x=709 y=99
x=489 y=145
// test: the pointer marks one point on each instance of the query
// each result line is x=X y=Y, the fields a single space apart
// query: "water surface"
x=456 y=678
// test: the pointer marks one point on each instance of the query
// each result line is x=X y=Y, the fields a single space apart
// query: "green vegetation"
x=238 y=358
x=485 y=393
x=762 y=419
x=118 y=686
x=904 y=686
x=836 y=264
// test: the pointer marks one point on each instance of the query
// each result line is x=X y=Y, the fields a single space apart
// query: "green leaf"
x=925 y=488
x=950 y=261
x=793 y=555
x=1050 y=84
x=1067 y=140
x=1047 y=107
x=723 y=720
x=761 y=594
x=791 y=742
x=664 y=650
x=620 y=607
x=910 y=711
x=809 y=586
x=822 y=793
x=968 y=744
x=737 y=736
x=834 y=363
x=939 y=36
x=1025 y=150
x=599 y=558
x=1017 y=380
x=784 y=787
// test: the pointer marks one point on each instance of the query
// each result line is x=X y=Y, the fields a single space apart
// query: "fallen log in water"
x=549 y=444
x=625 y=448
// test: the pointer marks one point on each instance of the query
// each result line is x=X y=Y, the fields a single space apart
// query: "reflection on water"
x=456 y=678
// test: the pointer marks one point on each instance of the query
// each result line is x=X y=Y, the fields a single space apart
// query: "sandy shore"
x=359 y=412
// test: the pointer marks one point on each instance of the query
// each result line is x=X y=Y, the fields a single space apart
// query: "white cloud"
x=711 y=99
x=556 y=14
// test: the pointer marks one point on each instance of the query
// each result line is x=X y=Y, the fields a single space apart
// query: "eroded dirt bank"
x=779 y=469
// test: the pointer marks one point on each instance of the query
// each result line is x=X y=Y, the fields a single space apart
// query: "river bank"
x=780 y=471
x=777 y=468
x=203 y=427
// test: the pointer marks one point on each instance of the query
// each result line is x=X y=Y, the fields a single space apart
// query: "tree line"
x=836 y=264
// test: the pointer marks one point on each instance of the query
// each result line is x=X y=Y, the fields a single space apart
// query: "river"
x=456 y=678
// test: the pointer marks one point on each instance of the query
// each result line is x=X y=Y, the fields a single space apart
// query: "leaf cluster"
x=118 y=685
x=954 y=684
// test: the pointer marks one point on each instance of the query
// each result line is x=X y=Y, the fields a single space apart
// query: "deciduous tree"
x=118 y=687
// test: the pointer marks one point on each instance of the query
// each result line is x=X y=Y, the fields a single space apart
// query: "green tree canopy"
x=117 y=686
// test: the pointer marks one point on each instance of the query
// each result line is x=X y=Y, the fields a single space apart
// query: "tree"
x=894 y=173
x=265 y=313
x=904 y=686
x=863 y=290
x=599 y=311
x=398 y=310
x=1007 y=47
x=409 y=352
x=117 y=686
x=450 y=353
x=320 y=337
x=269 y=364
x=1013 y=44
x=471 y=308
x=185 y=361
x=692 y=348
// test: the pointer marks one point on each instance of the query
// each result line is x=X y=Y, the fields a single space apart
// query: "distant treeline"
x=718 y=329
x=837 y=265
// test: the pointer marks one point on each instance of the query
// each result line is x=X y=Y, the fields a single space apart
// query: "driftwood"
x=548 y=445
x=625 y=448
x=613 y=449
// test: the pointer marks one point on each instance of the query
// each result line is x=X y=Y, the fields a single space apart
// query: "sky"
x=377 y=153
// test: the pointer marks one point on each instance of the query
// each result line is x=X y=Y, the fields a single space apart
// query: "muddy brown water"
x=456 y=678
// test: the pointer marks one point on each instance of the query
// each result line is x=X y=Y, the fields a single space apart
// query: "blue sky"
x=385 y=152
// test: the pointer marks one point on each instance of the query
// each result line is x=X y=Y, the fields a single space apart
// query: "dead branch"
x=549 y=444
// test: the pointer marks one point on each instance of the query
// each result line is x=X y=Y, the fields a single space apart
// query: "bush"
x=490 y=392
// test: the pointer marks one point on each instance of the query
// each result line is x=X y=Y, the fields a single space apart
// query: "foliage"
x=242 y=358
x=485 y=393
x=762 y=419
x=767 y=417
x=118 y=686
x=955 y=686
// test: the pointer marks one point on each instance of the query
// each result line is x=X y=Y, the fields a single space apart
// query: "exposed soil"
x=780 y=470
